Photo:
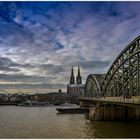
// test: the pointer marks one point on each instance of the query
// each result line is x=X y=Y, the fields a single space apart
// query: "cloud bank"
x=40 y=41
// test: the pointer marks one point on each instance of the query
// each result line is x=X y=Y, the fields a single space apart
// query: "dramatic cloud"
x=40 y=41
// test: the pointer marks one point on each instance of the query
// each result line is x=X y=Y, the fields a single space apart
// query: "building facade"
x=75 y=85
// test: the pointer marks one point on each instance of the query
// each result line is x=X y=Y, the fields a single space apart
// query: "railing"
x=132 y=100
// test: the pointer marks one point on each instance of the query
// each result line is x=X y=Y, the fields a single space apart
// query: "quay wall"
x=108 y=113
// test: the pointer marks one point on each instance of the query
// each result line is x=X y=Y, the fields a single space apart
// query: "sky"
x=41 y=41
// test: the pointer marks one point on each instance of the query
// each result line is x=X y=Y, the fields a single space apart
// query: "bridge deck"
x=117 y=100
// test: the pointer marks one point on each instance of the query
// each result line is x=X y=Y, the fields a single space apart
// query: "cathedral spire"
x=79 y=72
x=72 y=78
x=79 y=78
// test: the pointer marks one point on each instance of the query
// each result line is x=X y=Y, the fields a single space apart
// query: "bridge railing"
x=132 y=100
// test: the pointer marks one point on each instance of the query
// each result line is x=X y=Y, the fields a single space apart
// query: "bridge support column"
x=110 y=113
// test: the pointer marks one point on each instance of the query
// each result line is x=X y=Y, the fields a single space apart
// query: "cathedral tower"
x=72 y=78
x=75 y=88
x=79 y=78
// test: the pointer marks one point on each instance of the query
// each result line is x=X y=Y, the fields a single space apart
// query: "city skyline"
x=41 y=41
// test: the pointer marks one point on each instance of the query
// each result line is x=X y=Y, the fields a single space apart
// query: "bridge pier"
x=111 y=113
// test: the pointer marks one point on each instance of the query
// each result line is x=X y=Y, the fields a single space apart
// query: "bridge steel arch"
x=123 y=77
x=93 y=85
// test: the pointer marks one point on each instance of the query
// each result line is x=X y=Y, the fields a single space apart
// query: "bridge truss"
x=122 y=78
x=93 y=85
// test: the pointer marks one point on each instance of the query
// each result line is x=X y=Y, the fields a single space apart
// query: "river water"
x=45 y=122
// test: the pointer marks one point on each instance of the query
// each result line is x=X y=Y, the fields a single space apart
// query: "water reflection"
x=112 y=129
x=44 y=122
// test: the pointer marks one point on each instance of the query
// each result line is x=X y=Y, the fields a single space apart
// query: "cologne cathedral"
x=75 y=85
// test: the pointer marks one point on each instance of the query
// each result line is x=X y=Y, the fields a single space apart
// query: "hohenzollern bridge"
x=120 y=86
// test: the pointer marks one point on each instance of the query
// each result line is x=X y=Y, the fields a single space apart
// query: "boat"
x=73 y=110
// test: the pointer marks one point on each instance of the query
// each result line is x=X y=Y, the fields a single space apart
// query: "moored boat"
x=73 y=110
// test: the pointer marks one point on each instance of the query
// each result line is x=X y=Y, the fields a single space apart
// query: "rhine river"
x=45 y=122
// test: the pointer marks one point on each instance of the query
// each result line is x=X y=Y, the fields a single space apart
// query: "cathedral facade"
x=75 y=84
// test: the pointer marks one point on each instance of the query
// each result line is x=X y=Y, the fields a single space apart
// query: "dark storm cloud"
x=5 y=61
x=32 y=86
x=8 y=69
x=7 y=64
x=21 y=78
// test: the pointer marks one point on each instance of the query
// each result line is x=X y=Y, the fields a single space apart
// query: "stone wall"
x=114 y=113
